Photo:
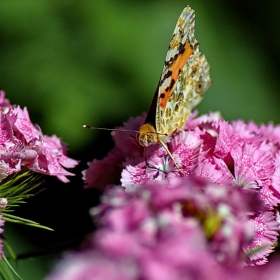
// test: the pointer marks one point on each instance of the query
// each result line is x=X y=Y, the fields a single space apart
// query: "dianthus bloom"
x=22 y=144
x=237 y=155
x=187 y=230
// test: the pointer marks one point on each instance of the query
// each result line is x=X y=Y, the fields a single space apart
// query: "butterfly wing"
x=184 y=79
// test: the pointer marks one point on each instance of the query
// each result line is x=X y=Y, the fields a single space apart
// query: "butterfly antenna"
x=110 y=129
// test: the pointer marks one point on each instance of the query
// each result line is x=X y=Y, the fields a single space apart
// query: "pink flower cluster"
x=192 y=230
x=22 y=144
x=237 y=155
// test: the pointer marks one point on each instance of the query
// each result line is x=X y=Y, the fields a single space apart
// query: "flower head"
x=160 y=231
x=22 y=144
x=237 y=155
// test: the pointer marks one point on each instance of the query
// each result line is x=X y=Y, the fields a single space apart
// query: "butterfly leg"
x=136 y=142
x=149 y=165
x=167 y=150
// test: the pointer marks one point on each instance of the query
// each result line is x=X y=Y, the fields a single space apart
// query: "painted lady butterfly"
x=184 y=79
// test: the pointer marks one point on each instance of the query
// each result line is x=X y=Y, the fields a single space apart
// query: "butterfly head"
x=147 y=135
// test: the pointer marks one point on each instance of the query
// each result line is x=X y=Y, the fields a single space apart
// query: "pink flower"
x=101 y=173
x=266 y=229
x=133 y=219
x=107 y=171
x=187 y=230
x=237 y=154
x=24 y=127
x=23 y=144
x=4 y=103
x=93 y=265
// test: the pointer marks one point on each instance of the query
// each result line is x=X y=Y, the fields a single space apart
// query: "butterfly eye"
x=199 y=87
x=151 y=137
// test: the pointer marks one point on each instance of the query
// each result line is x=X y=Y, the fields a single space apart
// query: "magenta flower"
x=186 y=230
x=266 y=230
x=132 y=221
x=92 y=265
x=238 y=155
x=107 y=171
x=23 y=144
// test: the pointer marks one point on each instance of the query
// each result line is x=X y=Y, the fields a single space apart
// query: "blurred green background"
x=98 y=63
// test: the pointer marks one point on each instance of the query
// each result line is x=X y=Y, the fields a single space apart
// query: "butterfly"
x=184 y=79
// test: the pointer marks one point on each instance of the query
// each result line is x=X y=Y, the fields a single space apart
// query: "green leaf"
x=7 y=272
x=17 y=188
x=19 y=220
x=10 y=250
